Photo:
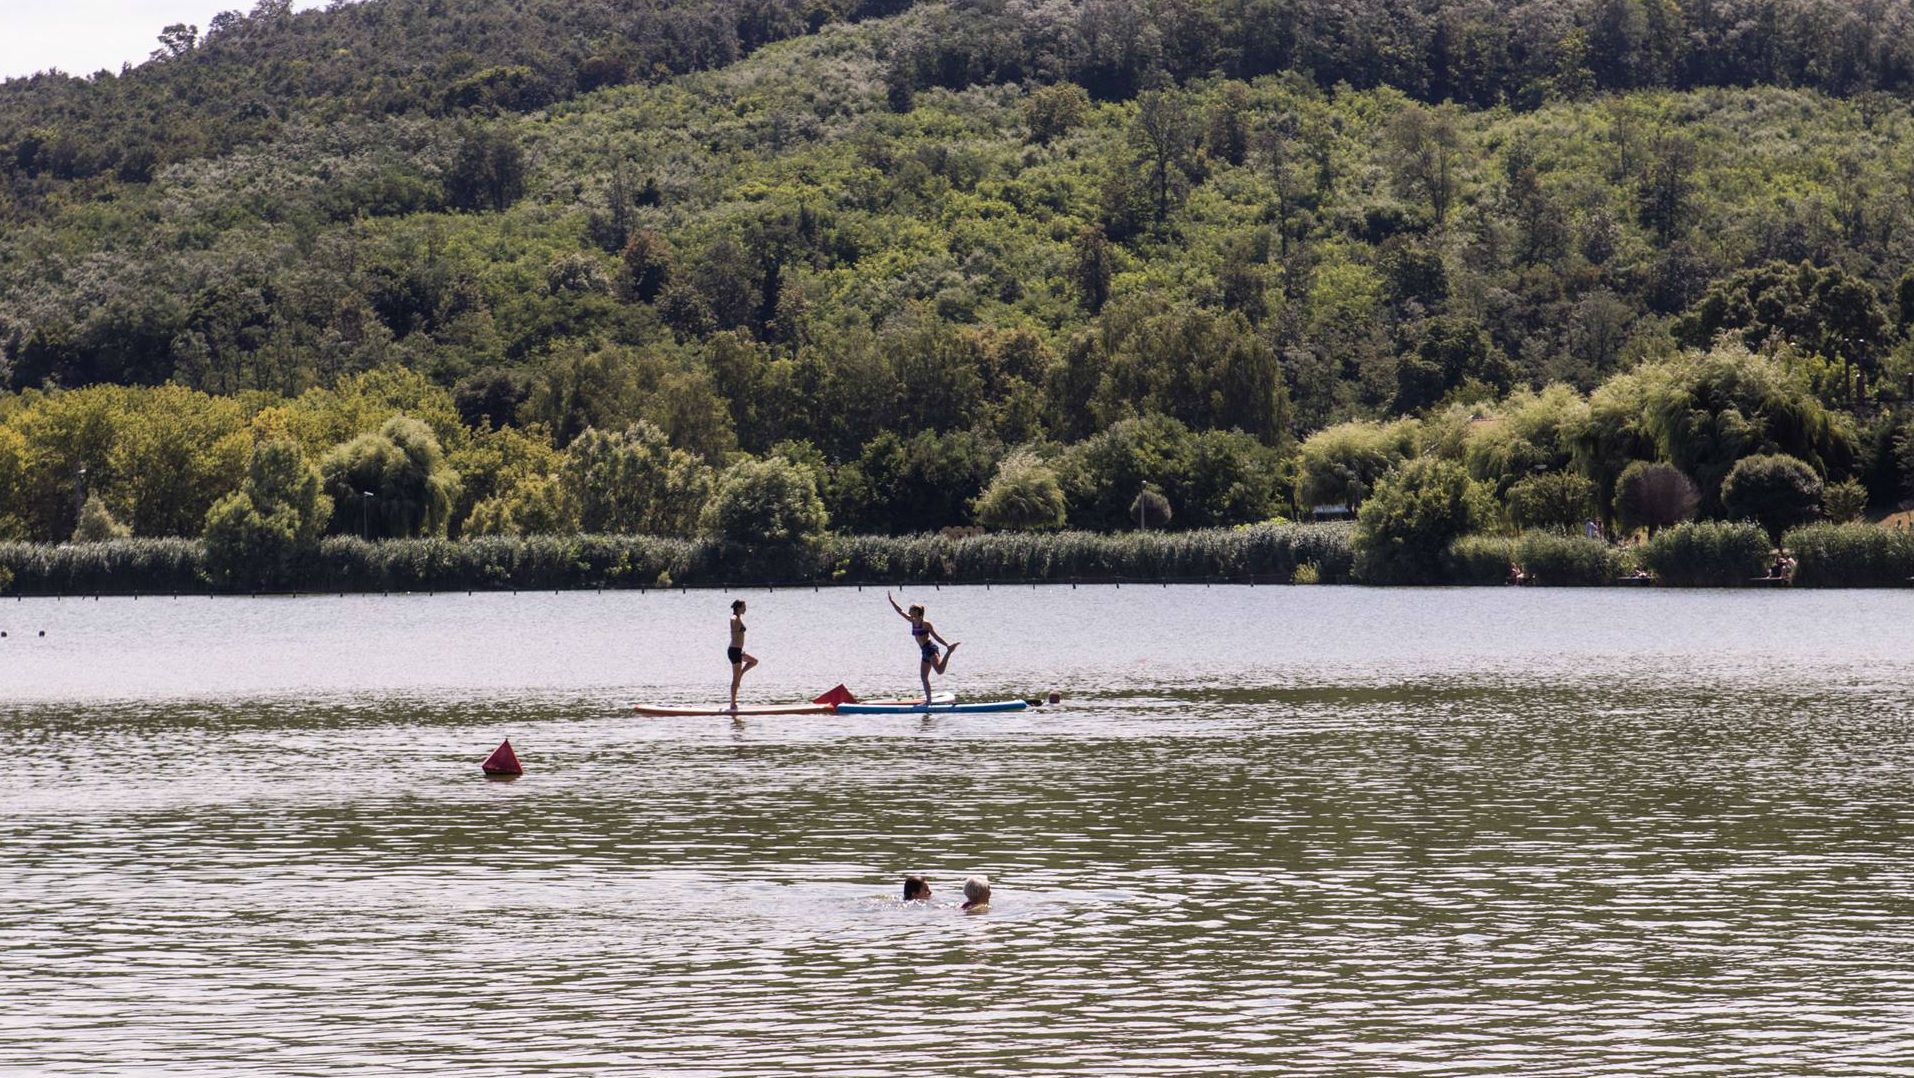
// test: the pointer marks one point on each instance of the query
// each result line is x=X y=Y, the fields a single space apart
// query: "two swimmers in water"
x=925 y=634
x=976 y=892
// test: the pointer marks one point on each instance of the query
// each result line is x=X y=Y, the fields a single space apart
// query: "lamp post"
x=79 y=493
x=365 y=501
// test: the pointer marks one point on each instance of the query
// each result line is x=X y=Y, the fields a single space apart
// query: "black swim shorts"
x=736 y=655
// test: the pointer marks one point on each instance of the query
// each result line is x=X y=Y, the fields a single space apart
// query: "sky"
x=82 y=36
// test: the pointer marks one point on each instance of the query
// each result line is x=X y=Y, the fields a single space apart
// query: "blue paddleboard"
x=940 y=709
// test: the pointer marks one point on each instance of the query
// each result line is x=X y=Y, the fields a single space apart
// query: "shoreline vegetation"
x=589 y=293
x=1688 y=555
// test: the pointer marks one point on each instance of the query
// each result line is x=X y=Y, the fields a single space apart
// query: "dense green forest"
x=768 y=268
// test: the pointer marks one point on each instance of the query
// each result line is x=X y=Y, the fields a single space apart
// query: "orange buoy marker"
x=503 y=760
x=837 y=694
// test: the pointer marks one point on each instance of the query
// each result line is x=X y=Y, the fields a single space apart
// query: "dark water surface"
x=1290 y=831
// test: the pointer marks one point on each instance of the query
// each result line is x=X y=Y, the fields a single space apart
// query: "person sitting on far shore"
x=976 y=894
x=916 y=889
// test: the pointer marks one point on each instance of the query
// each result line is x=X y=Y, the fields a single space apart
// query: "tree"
x=1774 y=490
x=1665 y=197
x=647 y=265
x=1340 y=465
x=1025 y=495
x=769 y=502
x=97 y=524
x=900 y=84
x=1426 y=157
x=490 y=397
x=1052 y=111
x=1845 y=501
x=1450 y=351
x=1164 y=136
x=1091 y=267
x=1824 y=310
x=487 y=171
x=411 y=488
x=257 y=535
x=1707 y=410
x=631 y=481
x=1150 y=509
x=176 y=40
x=1406 y=526
x=535 y=505
x=1555 y=500
x=1653 y=495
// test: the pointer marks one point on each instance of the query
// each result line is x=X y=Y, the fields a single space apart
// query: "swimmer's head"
x=737 y=606
x=976 y=891
x=916 y=610
x=1056 y=698
x=916 y=888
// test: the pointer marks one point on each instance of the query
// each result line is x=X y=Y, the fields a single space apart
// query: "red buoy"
x=503 y=760
x=837 y=694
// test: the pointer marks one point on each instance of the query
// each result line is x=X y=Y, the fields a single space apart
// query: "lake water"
x=1288 y=831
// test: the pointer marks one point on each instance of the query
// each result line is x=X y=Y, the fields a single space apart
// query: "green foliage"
x=629 y=482
x=115 y=567
x=765 y=503
x=1707 y=554
x=1844 y=502
x=1851 y=556
x=1023 y=496
x=1705 y=411
x=258 y=536
x=97 y=524
x=1051 y=112
x=1652 y=495
x=1209 y=478
x=1559 y=501
x=1554 y=559
x=1416 y=512
x=913 y=241
x=1341 y=465
x=1528 y=433
x=393 y=484
x=1824 y=310
x=1150 y=509
x=1478 y=560
x=1773 y=490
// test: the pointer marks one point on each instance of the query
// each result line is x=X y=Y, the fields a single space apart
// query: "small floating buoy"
x=503 y=760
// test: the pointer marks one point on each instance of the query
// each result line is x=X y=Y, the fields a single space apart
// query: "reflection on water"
x=1285 y=831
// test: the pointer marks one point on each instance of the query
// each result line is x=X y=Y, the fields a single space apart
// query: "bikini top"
x=920 y=630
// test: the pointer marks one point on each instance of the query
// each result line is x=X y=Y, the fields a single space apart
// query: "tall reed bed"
x=1851 y=556
x=1553 y=559
x=1710 y=554
x=117 y=567
x=500 y=562
x=1265 y=552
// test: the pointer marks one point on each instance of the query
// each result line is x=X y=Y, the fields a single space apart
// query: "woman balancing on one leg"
x=740 y=662
x=924 y=633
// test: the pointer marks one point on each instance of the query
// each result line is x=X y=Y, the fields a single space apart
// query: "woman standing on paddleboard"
x=740 y=662
x=923 y=632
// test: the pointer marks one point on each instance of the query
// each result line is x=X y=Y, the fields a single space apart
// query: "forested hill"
x=894 y=242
